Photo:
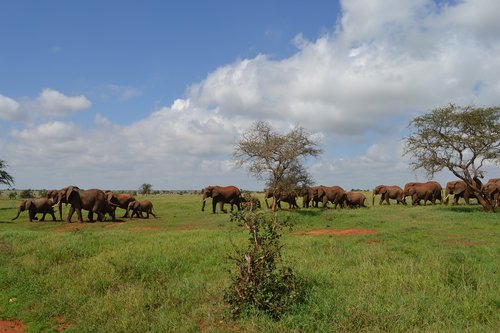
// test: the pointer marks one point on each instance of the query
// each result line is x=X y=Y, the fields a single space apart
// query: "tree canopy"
x=275 y=157
x=5 y=177
x=458 y=138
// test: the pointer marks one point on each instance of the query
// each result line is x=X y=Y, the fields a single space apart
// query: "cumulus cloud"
x=383 y=63
x=9 y=108
x=385 y=59
x=49 y=103
x=55 y=104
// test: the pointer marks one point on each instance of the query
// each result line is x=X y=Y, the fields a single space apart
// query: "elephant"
x=93 y=200
x=492 y=189
x=459 y=190
x=250 y=203
x=388 y=192
x=138 y=207
x=429 y=191
x=222 y=195
x=34 y=206
x=333 y=194
x=355 y=199
x=54 y=195
x=281 y=196
x=120 y=200
x=310 y=194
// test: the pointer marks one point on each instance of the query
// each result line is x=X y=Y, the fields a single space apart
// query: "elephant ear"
x=28 y=205
x=70 y=190
x=383 y=190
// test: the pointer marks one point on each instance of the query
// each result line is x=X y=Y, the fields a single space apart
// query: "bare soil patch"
x=11 y=326
x=341 y=232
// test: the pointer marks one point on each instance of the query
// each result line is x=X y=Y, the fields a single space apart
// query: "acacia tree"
x=275 y=157
x=5 y=177
x=145 y=188
x=460 y=139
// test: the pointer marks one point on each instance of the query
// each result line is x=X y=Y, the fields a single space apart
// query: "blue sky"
x=113 y=94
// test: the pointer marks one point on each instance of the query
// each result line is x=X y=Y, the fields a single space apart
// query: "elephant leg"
x=79 y=214
x=214 y=205
x=222 y=207
x=466 y=198
x=53 y=216
x=43 y=216
x=70 y=214
x=91 y=216
x=151 y=212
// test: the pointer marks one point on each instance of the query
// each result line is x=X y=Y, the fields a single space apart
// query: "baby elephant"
x=355 y=199
x=138 y=207
x=34 y=206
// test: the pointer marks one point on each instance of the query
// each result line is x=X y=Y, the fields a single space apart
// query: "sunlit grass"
x=432 y=268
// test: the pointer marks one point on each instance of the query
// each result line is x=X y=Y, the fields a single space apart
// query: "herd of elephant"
x=93 y=200
x=312 y=196
x=102 y=203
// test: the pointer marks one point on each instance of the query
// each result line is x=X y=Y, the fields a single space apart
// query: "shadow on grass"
x=304 y=212
x=466 y=209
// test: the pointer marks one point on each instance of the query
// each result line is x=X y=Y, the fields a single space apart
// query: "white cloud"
x=55 y=104
x=49 y=103
x=9 y=108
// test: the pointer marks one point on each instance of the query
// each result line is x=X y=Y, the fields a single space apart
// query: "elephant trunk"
x=373 y=198
x=203 y=202
x=18 y=213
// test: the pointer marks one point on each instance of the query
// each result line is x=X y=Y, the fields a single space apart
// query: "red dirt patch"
x=341 y=232
x=11 y=326
x=61 y=324
x=145 y=228
x=115 y=224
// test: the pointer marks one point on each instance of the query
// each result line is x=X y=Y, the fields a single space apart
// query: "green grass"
x=427 y=269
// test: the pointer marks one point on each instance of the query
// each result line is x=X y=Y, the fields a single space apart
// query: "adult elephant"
x=121 y=200
x=93 y=200
x=388 y=192
x=54 y=195
x=355 y=199
x=310 y=196
x=334 y=194
x=459 y=190
x=492 y=189
x=35 y=206
x=281 y=196
x=429 y=191
x=139 y=207
x=221 y=195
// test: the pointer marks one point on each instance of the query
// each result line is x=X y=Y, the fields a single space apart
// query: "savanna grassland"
x=377 y=269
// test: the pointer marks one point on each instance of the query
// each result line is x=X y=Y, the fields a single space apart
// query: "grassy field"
x=378 y=269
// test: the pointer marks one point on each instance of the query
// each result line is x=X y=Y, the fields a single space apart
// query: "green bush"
x=260 y=280
x=25 y=194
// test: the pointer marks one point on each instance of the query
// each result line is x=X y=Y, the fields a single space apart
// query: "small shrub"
x=42 y=193
x=25 y=194
x=12 y=195
x=260 y=281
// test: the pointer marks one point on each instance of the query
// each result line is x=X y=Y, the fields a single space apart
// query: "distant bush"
x=12 y=195
x=25 y=194
x=42 y=193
